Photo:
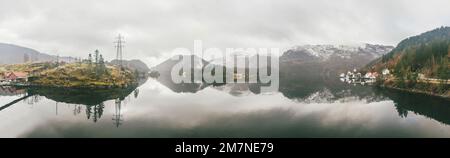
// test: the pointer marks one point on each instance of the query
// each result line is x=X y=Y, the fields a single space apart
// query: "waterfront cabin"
x=16 y=77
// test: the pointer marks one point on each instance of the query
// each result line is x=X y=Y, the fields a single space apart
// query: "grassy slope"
x=74 y=75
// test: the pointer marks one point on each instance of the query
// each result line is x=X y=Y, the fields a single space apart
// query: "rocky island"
x=86 y=73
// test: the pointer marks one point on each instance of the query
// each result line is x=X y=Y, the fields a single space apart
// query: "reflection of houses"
x=238 y=76
x=371 y=76
x=11 y=91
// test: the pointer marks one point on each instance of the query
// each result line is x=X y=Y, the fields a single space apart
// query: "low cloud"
x=154 y=28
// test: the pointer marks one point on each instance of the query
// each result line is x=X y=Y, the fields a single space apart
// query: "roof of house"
x=17 y=74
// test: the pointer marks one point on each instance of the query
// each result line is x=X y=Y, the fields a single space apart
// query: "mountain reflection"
x=92 y=102
x=294 y=86
x=431 y=107
x=318 y=89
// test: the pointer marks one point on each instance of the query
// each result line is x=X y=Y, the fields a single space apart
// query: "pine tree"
x=90 y=58
x=96 y=56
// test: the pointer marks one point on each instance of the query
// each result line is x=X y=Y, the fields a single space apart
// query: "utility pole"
x=119 y=46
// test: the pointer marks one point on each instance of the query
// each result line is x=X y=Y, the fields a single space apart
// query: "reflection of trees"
x=81 y=96
x=96 y=111
x=33 y=99
x=92 y=99
x=136 y=93
x=77 y=109
x=402 y=112
x=429 y=106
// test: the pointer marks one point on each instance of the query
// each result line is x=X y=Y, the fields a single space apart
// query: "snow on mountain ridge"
x=324 y=52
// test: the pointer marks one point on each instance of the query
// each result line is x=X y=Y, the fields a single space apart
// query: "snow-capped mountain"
x=326 y=52
x=241 y=61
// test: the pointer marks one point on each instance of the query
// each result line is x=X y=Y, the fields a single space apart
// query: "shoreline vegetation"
x=419 y=64
x=417 y=90
x=420 y=85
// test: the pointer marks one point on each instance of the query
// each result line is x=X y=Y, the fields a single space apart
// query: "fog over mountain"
x=13 y=54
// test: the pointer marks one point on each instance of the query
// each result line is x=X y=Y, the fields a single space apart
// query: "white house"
x=385 y=72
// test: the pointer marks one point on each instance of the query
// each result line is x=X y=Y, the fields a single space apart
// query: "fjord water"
x=159 y=109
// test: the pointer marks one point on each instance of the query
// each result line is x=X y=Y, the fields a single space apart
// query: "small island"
x=92 y=72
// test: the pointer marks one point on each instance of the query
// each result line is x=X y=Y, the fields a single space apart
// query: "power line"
x=119 y=47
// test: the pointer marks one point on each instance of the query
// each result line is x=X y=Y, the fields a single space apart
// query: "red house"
x=16 y=76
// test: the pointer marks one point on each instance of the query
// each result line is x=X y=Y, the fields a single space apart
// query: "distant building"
x=16 y=76
x=358 y=75
x=371 y=75
x=421 y=76
x=350 y=75
x=385 y=72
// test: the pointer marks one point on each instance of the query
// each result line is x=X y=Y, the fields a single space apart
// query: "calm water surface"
x=161 y=109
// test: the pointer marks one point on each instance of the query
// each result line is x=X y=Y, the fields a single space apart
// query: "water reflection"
x=91 y=100
x=432 y=107
x=310 y=89
x=303 y=107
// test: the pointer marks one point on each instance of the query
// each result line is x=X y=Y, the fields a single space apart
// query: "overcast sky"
x=153 y=28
